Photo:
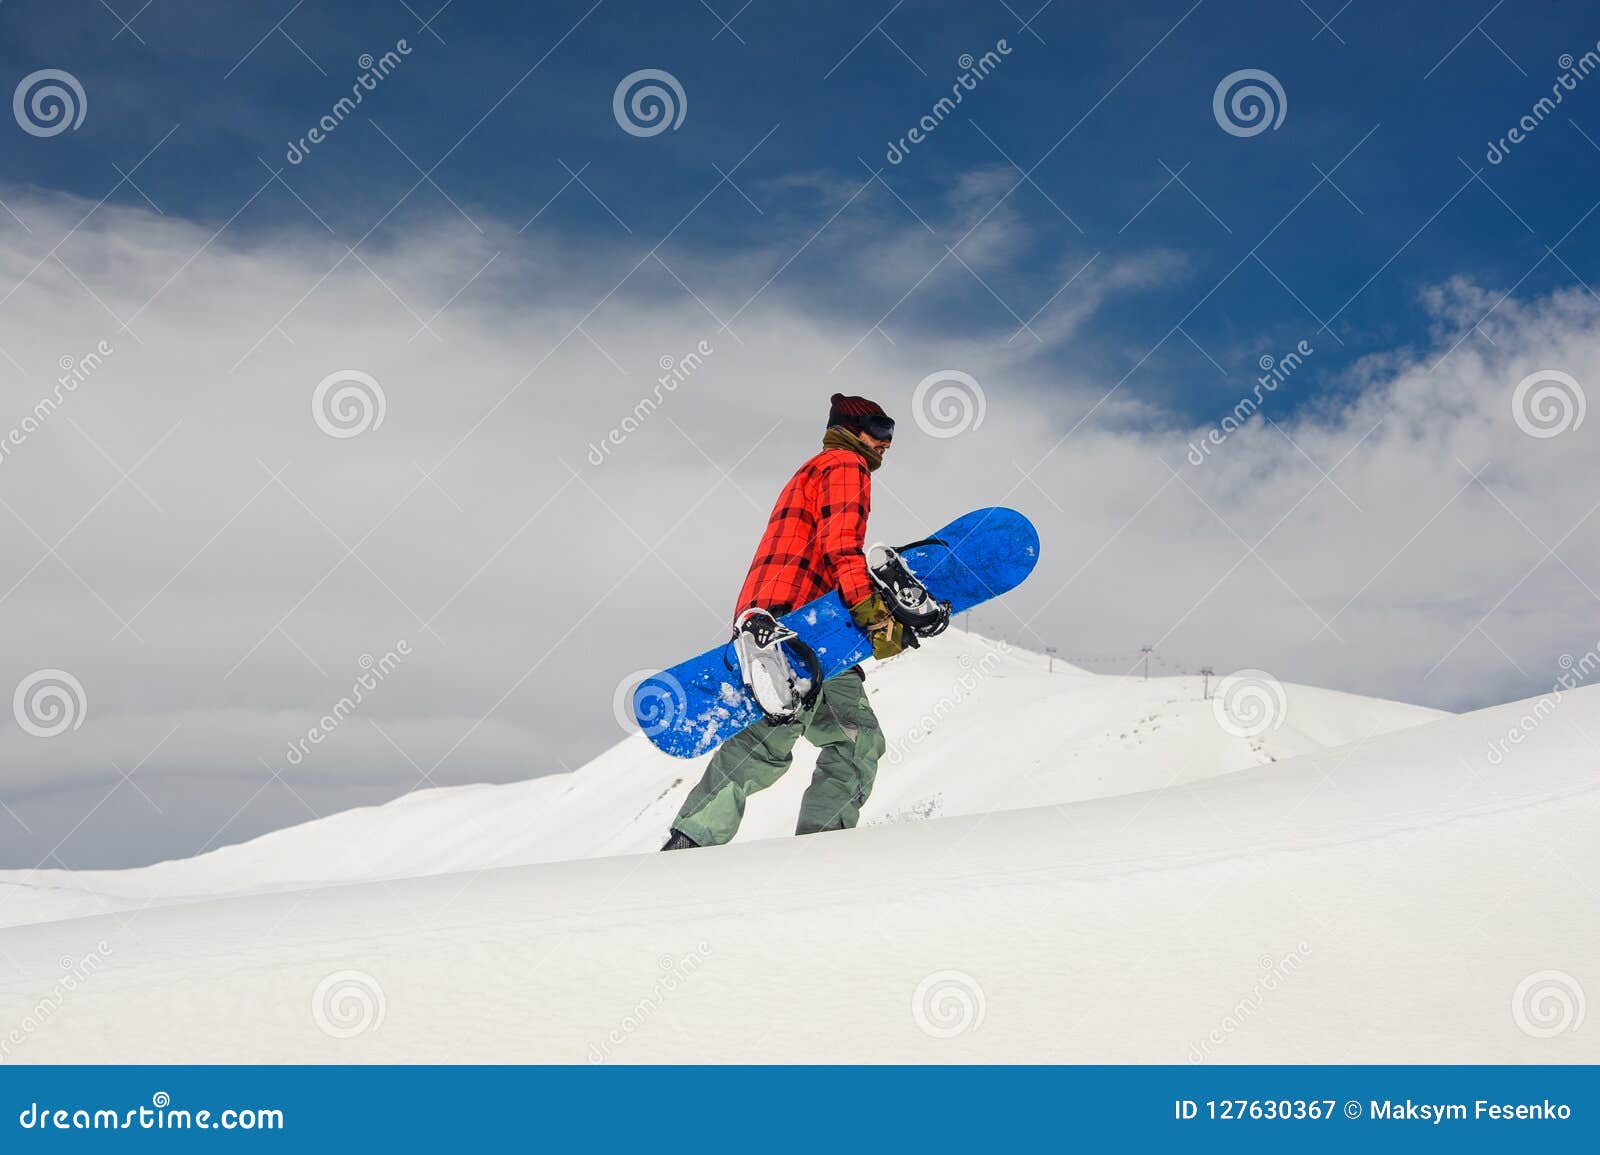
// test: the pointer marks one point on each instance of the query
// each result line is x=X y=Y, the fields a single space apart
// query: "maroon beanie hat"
x=857 y=413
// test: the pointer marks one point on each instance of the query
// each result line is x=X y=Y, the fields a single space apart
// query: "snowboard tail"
x=695 y=706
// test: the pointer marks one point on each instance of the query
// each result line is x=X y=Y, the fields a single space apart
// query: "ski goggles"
x=879 y=427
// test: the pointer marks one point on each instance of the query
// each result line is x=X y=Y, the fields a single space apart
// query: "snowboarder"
x=813 y=543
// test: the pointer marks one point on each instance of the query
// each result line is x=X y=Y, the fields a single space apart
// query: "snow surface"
x=1367 y=883
x=973 y=726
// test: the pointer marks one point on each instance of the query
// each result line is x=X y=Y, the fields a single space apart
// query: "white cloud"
x=213 y=590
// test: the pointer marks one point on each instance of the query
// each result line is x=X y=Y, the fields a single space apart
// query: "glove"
x=889 y=637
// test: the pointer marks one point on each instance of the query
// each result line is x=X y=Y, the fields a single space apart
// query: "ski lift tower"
x=1050 y=655
x=1208 y=673
x=1145 y=650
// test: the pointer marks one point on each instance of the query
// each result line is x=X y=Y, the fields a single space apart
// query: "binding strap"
x=813 y=666
x=783 y=636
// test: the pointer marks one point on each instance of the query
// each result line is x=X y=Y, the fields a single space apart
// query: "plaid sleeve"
x=845 y=489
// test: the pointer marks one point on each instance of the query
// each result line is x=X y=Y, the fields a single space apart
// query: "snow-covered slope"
x=1410 y=897
x=974 y=726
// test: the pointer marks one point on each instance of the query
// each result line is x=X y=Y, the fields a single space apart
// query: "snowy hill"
x=1425 y=894
x=973 y=726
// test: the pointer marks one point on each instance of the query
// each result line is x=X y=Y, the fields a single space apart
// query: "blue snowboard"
x=697 y=705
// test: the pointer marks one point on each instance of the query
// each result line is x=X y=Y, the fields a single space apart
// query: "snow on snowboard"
x=697 y=705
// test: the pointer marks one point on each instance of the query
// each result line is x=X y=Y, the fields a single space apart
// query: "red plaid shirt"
x=814 y=537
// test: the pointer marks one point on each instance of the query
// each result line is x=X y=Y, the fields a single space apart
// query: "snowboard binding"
x=758 y=641
x=907 y=598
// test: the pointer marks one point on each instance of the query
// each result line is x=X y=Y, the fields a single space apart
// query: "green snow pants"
x=841 y=724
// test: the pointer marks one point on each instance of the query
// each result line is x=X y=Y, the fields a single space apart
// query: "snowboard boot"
x=680 y=841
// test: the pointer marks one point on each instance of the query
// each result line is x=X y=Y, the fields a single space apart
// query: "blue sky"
x=1099 y=105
